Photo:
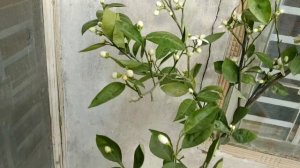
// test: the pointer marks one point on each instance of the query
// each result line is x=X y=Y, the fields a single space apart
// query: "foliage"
x=202 y=114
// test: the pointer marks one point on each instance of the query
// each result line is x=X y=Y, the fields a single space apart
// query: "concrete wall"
x=25 y=137
x=127 y=123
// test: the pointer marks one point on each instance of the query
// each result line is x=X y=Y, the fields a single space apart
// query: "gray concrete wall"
x=25 y=135
x=128 y=123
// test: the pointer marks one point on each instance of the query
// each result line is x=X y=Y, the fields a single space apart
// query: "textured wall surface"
x=25 y=135
x=127 y=123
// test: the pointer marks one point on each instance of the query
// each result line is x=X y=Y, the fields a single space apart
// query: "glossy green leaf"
x=255 y=69
x=109 y=149
x=243 y=136
x=213 y=88
x=265 y=59
x=161 y=146
x=161 y=52
x=220 y=126
x=166 y=40
x=218 y=66
x=208 y=96
x=114 y=5
x=135 y=48
x=107 y=93
x=201 y=119
x=289 y=54
x=211 y=151
x=108 y=22
x=130 y=31
x=93 y=47
x=250 y=50
x=99 y=14
x=230 y=71
x=196 y=70
x=248 y=79
x=174 y=165
x=219 y=164
x=261 y=9
x=88 y=25
x=138 y=157
x=185 y=108
x=295 y=66
x=175 y=89
x=239 y=114
x=130 y=64
x=125 y=18
x=279 y=89
x=197 y=138
x=118 y=37
x=214 y=37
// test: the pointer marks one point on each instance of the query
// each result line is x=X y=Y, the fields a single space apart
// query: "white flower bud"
x=255 y=30
x=102 y=1
x=125 y=77
x=156 y=12
x=99 y=24
x=176 y=57
x=175 y=1
x=159 y=4
x=199 y=50
x=130 y=73
x=234 y=59
x=104 y=54
x=261 y=81
x=190 y=54
x=279 y=61
x=191 y=91
x=114 y=75
x=225 y=22
x=193 y=37
x=151 y=52
x=286 y=59
x=163 y=139
x=232 y=127
x=180 y=4
x=93 y=29
x=107 y=149
x=171 y=13
x=140 y=24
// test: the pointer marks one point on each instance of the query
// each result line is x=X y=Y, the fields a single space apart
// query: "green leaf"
x=230 y=71
x=107 y=93
x=161 y=146
x=88 y=25
x=213 y=88
x=243 y=136
x=250 y=50
x=218 y=66
x=99 y=15
x=211 y=151
x=185 y=108
x=219 y=164
x=138 y=157
x=166 y=40
x=135 y=48
x=255 y=69
x=289 y=53
x=201 y=119
x=261 y=9
x=248 y=79
x=174 y=165
x=114 y=5
x=161 y=52
x=130 y=31
x=118 y=37
x=220 y=126
x=265 y=59
x=175 y=89
x=208 y=96
x=130 y=64
x=279 y=89
x=197 y=138
x=239 y=114
x=93 y=47
x=295 y=66
x=214 y=37
x=196 y=70
x=109 y=149
x=125 y=18
x=108 y=22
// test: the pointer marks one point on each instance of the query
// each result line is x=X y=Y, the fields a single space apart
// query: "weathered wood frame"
x=51 y=15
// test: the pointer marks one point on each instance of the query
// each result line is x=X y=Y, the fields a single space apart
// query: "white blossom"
x=114 y=75
x=104 y=54
x=151 y=52
x=191 y=91
x=125 y=77
x=201 y=39
x=140 y=24
x=107 y=149
x=176 y=57
x=163 y=139
x=171 y=13
x=232 y=127
x=159 y=4
x=255 y=30
x=130 y=73
x=199 y=50
x=156 y=12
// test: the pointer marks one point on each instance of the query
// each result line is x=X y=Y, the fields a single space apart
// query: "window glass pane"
x=293 y=95
x=274 y=112
x=289 y=25
x=273 y=51
x=293 y=3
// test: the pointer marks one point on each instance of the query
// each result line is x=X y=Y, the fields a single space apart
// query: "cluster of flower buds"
x=160 y=6
x=97 y=29
x=237 y=17
x=260 y=28
x=178 y=4
x=129 y=74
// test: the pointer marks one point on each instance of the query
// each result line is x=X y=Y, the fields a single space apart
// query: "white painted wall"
x=127 y=123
